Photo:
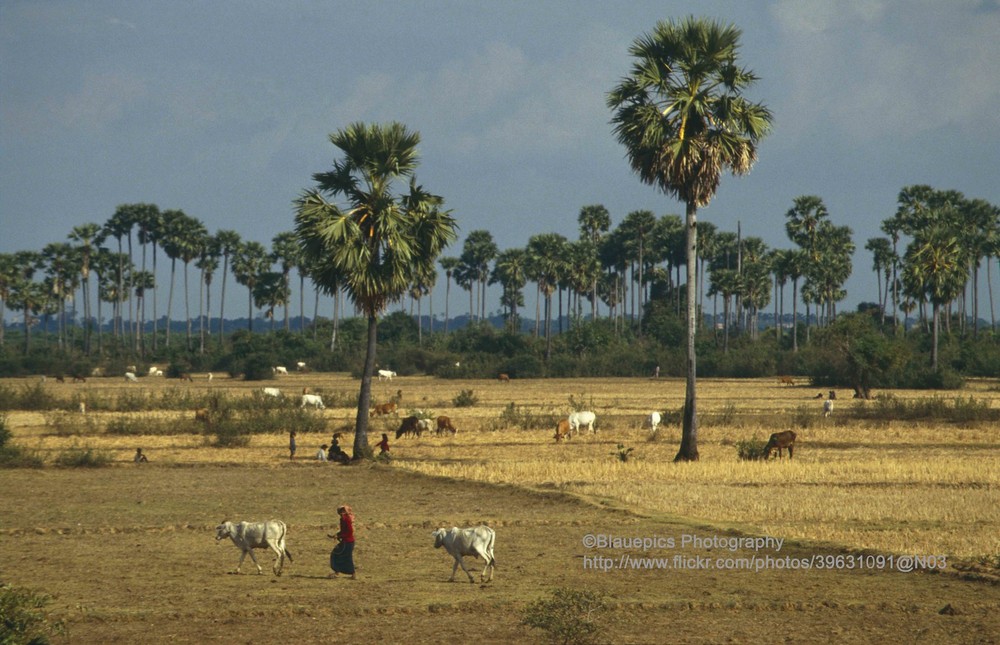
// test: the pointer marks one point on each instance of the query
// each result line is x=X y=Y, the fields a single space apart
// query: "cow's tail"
x=493 y=537
x=284 y=531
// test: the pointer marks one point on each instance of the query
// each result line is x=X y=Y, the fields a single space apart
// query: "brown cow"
x=79 y=379
x=562 y=430
x=444 y=425
x=186 y=377
x=383 y=409
x=785 y=380
x=504 y=378
x=60 y=378
x=779 y=441
x=202 y=414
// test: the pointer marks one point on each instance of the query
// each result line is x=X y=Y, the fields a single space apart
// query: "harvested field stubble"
x=855 y=486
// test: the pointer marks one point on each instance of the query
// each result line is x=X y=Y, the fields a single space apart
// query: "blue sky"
x=223 y=109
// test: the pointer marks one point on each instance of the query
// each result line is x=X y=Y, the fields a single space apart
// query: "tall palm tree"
x=120 y=226
x=637 y=228
x=379 y=240
x=172 y=239
x=208 y=264
x=85 y=236
x=24 y=292
x=228 y=242
x=270 y=292
x=882 y=264
x=595 y=221
x=683 y=119
x=935 y=265
x=477 y=253
x=143 y=281
x=149 y=224
x=544 y=266
x=509 y=273
x=62 y=266
x=449 y=264
x=286 y=253
x=250 y=261
x=193 y=241
x=8 y=276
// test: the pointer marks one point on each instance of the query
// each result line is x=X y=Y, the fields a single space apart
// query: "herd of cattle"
x=476 y=542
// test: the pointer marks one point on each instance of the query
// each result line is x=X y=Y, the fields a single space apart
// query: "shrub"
x=465 y=399
x=514 y=416
x=567 y=617
x=751 y=449
x=83 y=458
x=23 y=619
x=622 y=453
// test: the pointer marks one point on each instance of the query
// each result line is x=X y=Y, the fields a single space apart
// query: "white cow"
x=653 y=421
x=301 y=365
x=385 y=375
x=314 y=400
x=272 y=391
x=827 y=408
x=578 y=420
x=257 y=535
x=280 y=370
x=152 y=370
x=423 y=425
x=130 y=377
x=477 y=542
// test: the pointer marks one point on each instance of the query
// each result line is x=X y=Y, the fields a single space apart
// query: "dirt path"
x=128 y=554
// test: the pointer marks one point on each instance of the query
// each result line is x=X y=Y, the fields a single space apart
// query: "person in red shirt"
x=383 y=445
x=342 y=556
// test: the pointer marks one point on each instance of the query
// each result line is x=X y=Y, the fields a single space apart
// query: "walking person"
x=291 y=445
x=342 y=556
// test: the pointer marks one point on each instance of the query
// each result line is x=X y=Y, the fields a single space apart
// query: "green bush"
x=83 y=458
x=23 y=618
x=465 y=399
x=751 y=449
x=569 y=617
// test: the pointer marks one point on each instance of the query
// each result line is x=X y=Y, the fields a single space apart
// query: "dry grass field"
x=128 y=551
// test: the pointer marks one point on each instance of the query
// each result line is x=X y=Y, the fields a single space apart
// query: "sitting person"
x=321 y=454
x=336 y=452
x=139 y=457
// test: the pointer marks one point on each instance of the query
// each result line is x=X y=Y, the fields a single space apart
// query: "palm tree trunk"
x=201 y=312
x=447 y=299
x=689 y=433
x=187 y=308
x=795 y=315
x=222 y=298
x=934 y=345
x=365 y=395
x=250 y=309
x=989 y=285
x=538 y=300
x=155 y=322
x=302 y=304
x=170 y=297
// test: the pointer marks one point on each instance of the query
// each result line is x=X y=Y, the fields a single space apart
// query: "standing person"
x=383 y=446
x=342 y=556
x=291 y=445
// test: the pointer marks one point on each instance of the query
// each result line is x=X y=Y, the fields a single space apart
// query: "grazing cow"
x=410 y=425
x=279 y=370
x=653 y=421
x=578 y=420
x=314 y=400
x=785 y=380
x=818 y=396
x=131 y=368
x=562 y=430
x=477 y=542
x=423 y=425
x=779 y=441
x=186 y=377
x=444 y=425
x=257 y=535
x=130 y=377
x=60 y=379
x=272 y=391
x=79 y=379
x=152 y=370
x=385 y=375
x=503 y=378
x=202 y=414
x=383 y=409
x=158 y=373
x=300 y=366
x=827 y=408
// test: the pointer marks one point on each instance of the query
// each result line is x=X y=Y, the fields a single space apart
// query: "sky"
x=224 y=109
